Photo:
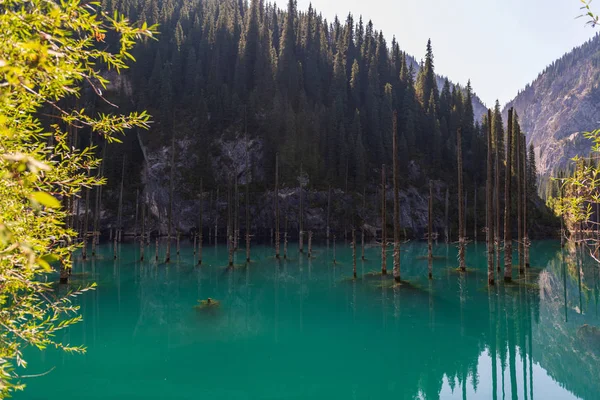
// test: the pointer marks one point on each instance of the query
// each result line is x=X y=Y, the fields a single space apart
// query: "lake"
x=302 y=328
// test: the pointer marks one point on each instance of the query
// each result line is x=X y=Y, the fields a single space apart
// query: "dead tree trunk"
x=85 y=223
x=120 y=212
x=95 y=236
x=334 y=259
x=519 y=172
x=461 y=211
x=507 y=201
x=236 y=216
x=170 y=216
x=430 y=231
x=447 y=230
x=277 y=234
x=229 y=226
x=137 y=210
x=217 y=216
x=383 y=223
x=328 y=213
x=247 y=222
x=301 y=217
x=525 y=198
x=156 y=249
x=489 y=205
x=310 y=235
x=362 y=238
x=143 y=233
x=201 y=222
x=396 y=199
x=475 y=214
x=285 y=238
x=354 y=253
x=497 y=202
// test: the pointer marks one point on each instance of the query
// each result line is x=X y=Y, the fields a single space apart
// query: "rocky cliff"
x=561 y=104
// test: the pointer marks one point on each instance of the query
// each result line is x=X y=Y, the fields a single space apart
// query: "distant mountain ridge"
x=561 y=104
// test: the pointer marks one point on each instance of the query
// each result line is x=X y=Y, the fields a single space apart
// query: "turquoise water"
x=301 y=329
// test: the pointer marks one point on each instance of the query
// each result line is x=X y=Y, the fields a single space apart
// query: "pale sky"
x=501 y=45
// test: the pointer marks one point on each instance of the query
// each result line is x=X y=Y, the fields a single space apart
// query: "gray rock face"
x=561 y=104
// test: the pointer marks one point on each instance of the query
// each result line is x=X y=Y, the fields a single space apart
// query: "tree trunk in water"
x=170 y=216
x=120 y=212
x=396 y=199
x=430 y=231
x=217 y=216
x=475 y=215
x=115 y=247
x=137 y=209
x=497 y=201
x=525 y=197
x=178 y=235
x=507 y=201
x=247 y=222
x=277 y=234
x=143 y=233
x=328 y=213
x=85 y=224
x=346 y=208
x=300 y=218
x=156 y=249
x=285 y=238
x=383 y=224
x=354 y=253
x=461 y=211
x=489 y=205
x=95 y=236
x=334 y=260
x=519 y=172
x=310 y=234
x=447 y=231
x=201 y=222
x=236 y=216
x=362 y=239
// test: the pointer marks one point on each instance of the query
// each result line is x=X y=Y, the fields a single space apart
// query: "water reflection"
x=303 y=328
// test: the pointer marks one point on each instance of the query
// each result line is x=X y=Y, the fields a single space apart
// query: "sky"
x=501 y=45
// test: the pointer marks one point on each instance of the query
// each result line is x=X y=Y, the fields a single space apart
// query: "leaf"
x=46 y=199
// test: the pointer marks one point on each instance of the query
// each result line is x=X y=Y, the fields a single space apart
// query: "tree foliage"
x=48 y=51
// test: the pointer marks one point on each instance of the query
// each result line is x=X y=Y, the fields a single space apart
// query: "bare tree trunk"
x=346 y=208
x=461 y=211
x=170 y=216
x=310 y=234
x=85 y=223
x=475 y=214
x=217 y=216
x=95 y=236
x=285 y=238
x=519 y=172
x=396 y=199
x=229 y=226
x=383 y=223
x=277 y=234
x=247 y=221
x=120 y=212
x=362 y=239
x=490 y=205
x=526 y=243
x=334 y=260
x=143 y=233
x=156 y=248
x=354 y=253
x=328 y=212
x=236 y=216
x=178 y=236
x=430 y=232
x=201 y=222
x=137 y=210
x=301 y=216
x=507 y=201
x=497 y=201
x=115 y=247
x=447 y=231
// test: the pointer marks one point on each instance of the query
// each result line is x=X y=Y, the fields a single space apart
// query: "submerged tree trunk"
x=285 y=238
x=507 y=201
x=519 y=172
x=201 y=222
x=277 y=234
x=143 y=233
x=430 y=231
x=461 y=211
x=362 y=238
x=498 y=208
x=447 y=231
x=525 y=198
x=137 y=210
x=310 y=235
x=170 y=211
x=236 y=216
x=354 y=252
x=95 y=235
x=156 y=249
x=334 y=260
x=383 y=223
x=86 y=223
x=247 y=222
x=216 y=216
x=119 y=232
x=396 y=199
x=301 y=217
x=489 y=197
x=328 y=213
x=475 y=214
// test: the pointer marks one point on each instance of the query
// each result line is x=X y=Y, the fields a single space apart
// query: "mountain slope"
x=561 y=104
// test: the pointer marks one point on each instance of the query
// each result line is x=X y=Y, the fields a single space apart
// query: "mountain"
x=561 y=104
